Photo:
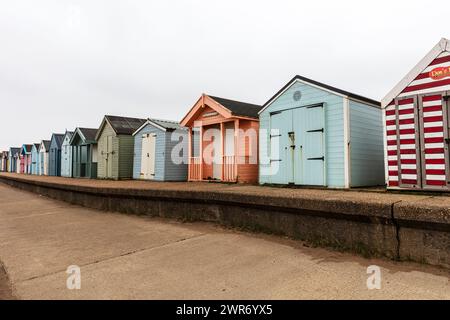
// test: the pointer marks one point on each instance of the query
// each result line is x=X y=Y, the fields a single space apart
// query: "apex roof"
x=442 y=46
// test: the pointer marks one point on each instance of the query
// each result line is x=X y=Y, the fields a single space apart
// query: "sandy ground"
x=131 y=257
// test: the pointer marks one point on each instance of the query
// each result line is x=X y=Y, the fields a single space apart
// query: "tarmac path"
x=133 y=257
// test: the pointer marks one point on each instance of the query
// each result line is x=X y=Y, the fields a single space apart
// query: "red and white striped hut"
x=416 y=121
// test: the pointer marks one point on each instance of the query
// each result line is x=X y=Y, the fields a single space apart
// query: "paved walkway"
x=130 y=257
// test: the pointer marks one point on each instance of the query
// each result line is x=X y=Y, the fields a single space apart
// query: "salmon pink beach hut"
x=222 y=140
x=417 y=123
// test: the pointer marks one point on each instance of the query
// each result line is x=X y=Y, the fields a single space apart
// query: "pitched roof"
x=442 y=46
x=59 y=137
x=321 y=85
x=88 y=133
x=238 y=108
x=27 y=148
x=165 y=125
x=124 y=125
x=15 y=150
x=46 y=144
x=37 y=145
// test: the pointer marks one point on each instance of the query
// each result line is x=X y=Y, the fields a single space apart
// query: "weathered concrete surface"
x=370 y=223
x=131 y=257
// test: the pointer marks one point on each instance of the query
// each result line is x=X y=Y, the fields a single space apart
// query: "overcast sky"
x=65 y=64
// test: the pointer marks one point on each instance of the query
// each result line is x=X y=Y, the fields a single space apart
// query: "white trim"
x=290 y=85
x=149 y=121
x=386 y=157
x=442 y=46
x=80 y=133
x=346 y=111
x=314 y=86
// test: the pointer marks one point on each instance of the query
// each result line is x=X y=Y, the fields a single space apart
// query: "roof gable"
x=438 y=49
x=85 y=135
x=322 y=86
x=163 y=125
x=120 y=125
x=224 y=107
x=26 y=149
x=57 y=139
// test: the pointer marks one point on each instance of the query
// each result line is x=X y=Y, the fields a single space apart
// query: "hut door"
x=314 y=147
x=108 y=157
x=148 y=156
x=434 y=140
x=281 y=137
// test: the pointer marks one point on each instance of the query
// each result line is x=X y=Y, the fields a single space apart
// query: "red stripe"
x=390 y=112
x=432 y=108
x=409 y=171
x=434 y=151
x=408 y=151
x=409 y=181
x=392 y=152
x=434 y=140
x=407 y=131
x=422 y=76
x=390 y=123
x=436 y=172
x=435 y=161
x=440 y=60
x=406 y=111
x=433 y=119
x=433 y=129
x=435 y=183
x=428 y=85
x=406 y=121
x=393 y=173
x=393 y=183
x=432 y=98
x=408 y=161
x=407 y=141
x=405 y=101
x=392 y=142
x=392 y=163
x=391 y=132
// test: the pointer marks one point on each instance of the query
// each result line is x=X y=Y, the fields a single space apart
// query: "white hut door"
x=148 y=156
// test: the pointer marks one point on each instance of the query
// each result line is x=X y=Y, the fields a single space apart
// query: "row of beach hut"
x=307 y=133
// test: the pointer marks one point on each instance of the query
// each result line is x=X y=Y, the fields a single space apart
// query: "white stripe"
x=407 y=156
x=435 y=166
x=391 y=137
x=406 y=126
x=406 y=116
x=434 y=134
x=429 y=68
x=439 y=124
x=406 y=106
x=444 y=54
x=432 y=114
x=407 y=136
x=439 y=178
x=392 y=158
x=434 y=145
x=390 y=128
x=389 y=118
x=409 y=166
x=390 y=148
x=435 y=156
x=393 y=178
x=409 y=176
x=389 y=108
x=393 y=168
x=432 y=103
x=407 y=146
x=424 y=91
